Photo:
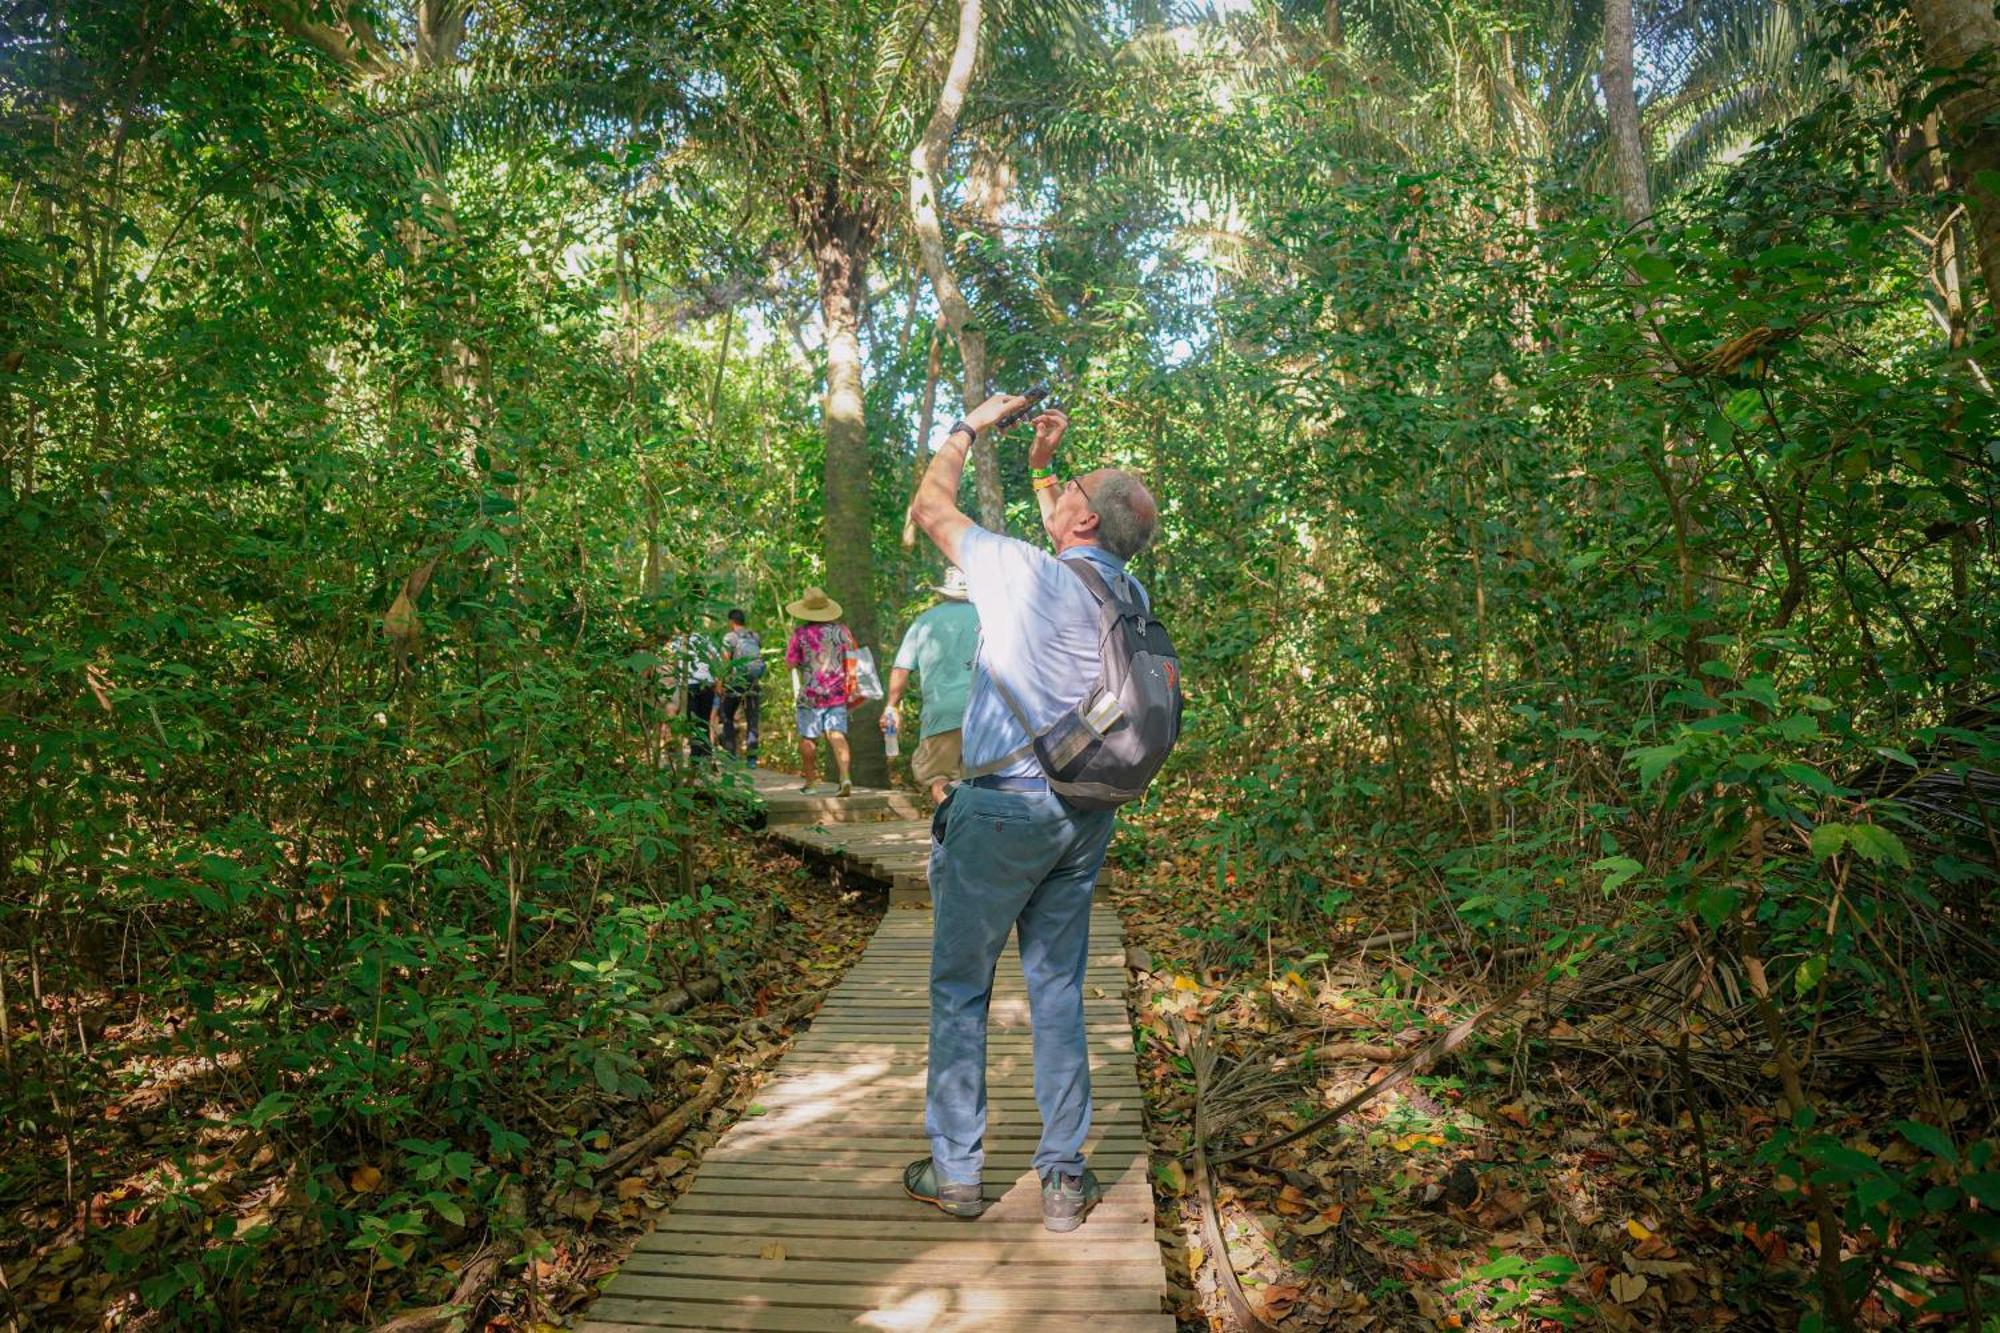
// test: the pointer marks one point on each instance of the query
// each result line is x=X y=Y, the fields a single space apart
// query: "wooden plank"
x=879 y=1040
x=924 y=1227
x=619 y=1316
x=1032 y=1258
x=1016 y=1081
x=916 y=974
x=1119 y=1119
x=902 y=1057
x=1010 y=1001
x=875 y=1078
x=1105 y=1089
x=912 y=1143
x=1141 y=1273
x=999 y=1166
x=915 y=1026
x=863 y=1183
x=961 y=1295
x=1017 y=1207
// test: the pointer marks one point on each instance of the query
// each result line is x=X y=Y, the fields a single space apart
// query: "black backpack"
x=1105 y=749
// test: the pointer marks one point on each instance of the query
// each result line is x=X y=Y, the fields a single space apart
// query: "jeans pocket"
x=939 y=818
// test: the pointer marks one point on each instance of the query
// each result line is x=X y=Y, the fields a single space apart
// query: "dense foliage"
x=1575 y=589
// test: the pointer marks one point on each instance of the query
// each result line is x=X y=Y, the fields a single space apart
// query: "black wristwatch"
x=961 y=425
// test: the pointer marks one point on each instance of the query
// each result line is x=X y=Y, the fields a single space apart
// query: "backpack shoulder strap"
x=1098 y=586
x=1006 y=697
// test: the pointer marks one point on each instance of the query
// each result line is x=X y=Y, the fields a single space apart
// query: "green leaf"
x=1654 y=759
x=1618 y=868
x=606 y=1071
x=1808 y=777
x=1827 y=840
x=1872 y=842
x=1657 y=270
x=1797 y=727
x=1809 y=973
x=1757 y=689
x=1716 y=904
x=1928 y=1137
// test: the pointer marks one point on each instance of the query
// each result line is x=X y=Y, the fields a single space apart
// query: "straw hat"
x=815 y=605
x=953 y=585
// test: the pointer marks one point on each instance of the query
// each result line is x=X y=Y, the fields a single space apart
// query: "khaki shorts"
x=937 y=758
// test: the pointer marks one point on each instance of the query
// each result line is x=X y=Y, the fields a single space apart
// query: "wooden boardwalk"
x=883 y=835
x=797 y=1218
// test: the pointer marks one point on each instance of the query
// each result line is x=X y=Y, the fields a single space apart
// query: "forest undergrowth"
x=1585 y=1125
x=190 y=1206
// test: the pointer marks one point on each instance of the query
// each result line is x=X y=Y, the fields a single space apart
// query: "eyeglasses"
x=1078 y=483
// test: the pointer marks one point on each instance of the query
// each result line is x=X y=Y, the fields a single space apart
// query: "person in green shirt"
x=939 y=647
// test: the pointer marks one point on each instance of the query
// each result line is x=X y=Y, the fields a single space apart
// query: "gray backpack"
x=1105 y=749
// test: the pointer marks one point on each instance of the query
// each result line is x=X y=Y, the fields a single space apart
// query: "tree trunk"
x=927 y=166
x=1621 y=107
x=921 y=454
x=1962 y=37
x=840 y=253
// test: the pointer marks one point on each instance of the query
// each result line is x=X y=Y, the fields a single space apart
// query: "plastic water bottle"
x=889 y=744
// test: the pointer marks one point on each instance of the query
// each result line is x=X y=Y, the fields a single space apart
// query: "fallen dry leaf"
x=1326 y=1220
x=772 y=1250
x=365 y=1180
x=1627 y=1287
x=1273 y=1302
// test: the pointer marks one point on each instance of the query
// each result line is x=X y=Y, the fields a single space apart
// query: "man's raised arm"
x=935 y=507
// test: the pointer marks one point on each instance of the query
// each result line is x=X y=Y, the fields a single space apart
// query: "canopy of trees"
x=1577 y=445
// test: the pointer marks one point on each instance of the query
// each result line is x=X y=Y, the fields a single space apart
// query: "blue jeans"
x=1001 y=860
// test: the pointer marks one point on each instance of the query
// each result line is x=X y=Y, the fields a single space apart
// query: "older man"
x=1006 y=851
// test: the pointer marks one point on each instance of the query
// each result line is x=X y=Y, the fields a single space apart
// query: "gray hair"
x=1126 y=514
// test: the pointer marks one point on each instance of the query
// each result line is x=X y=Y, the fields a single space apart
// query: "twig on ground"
x=701 y=988
x=671 y=1128
x=1411 y=1065
x=1200 y=1050
x=473 y=1280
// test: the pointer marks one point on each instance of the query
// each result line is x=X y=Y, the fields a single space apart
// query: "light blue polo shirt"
x=1038 y=634
x=939 y=647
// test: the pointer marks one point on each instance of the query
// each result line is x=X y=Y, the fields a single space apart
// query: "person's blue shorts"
x=814 y=722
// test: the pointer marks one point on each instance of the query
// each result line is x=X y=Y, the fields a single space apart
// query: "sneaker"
x=846 y=789
x=1067 y=1199
x=920 y=1182
x=811 y=789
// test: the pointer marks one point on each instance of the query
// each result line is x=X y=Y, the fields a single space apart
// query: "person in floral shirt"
x=819 y=652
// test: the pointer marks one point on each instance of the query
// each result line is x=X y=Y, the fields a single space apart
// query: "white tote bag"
x=867 y=680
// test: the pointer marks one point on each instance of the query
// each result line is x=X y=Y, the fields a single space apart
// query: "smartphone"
x=1021 y=413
